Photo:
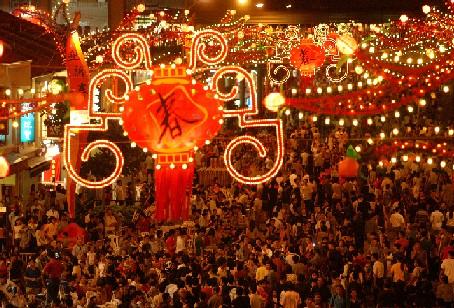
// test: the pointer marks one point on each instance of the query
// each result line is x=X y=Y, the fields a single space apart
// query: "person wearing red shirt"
x=53 y=270
x=171 y=243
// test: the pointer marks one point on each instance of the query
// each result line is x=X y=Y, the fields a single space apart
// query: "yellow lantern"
x=346 y=44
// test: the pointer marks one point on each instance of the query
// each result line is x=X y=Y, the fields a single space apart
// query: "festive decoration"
x=274 y=101
x=348 y=168
x=4 y=167
x=2 y=48
x=307 y=57
x=71 y=234
x=346 y=44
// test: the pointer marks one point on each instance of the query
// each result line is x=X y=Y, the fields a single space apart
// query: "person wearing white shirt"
x=447 y=266
x=436 y=219
x=397 y=220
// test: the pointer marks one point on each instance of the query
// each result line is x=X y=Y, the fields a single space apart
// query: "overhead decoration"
x=307 y=57
x=4 y=167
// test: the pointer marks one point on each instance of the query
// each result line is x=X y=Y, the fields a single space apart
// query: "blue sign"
x=27 y=125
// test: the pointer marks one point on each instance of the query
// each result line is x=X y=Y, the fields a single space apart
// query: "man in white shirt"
x=397 y=220
x=378 y=270
x=436 y=219
x=447 y=266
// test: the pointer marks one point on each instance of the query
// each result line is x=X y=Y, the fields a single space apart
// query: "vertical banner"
x=78 y=80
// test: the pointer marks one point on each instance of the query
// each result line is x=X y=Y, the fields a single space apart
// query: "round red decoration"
x=348 y=168
x=307 y=57
x=4 y=167
x=172 y=114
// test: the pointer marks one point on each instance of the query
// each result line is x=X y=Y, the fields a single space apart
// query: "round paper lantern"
x=348 y=168
x=172 y=114
x=307 y=57
x=274 y=101
x=346 y=44
x=4 y=167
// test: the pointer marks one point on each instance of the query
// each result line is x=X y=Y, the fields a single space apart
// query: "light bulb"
x=370 y=141
x=426 y=9
x=442 y=164
x=358 y=148
x=172 y=166
x=422 y=102
x=370 y=121
x=451 y=132
x=429 y=161
x=405 y=158
x=437 y=129
x=327 y=121
x=382 y=135
x=446 y=89
x=380 y=163
x=417 y=159
x=393 y=160
x=341 y=122
x=396 y=131
x=314 y=119
x=397 y=114
x=300 y=115
x=287 y=112
x=15 y=124
x=355 y=122
x=383 y=118
x=410 y=109
x=133 y=144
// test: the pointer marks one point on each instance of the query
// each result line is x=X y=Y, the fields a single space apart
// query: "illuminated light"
x=451 y=132
x=442 y=164
x=405 y=158
x=184 y=166
x=33 y=91
x=8 y=92
x=371 y=49
x=410 y=109
x=274 y=101
x=260 y=5
x=380 y=163
x=370 y=121
x=207 y=142
x=196 y=148
x=430 y=53
x=186 y=12
x=350 y=86
x=242 y=2
x=329 y=90
x=145 y=150
x=426 y=9
x=393 y=160
x=397 y=114
x=300 y=115
x=360 y=84
x=327 y=121
x=358 y=148
x=191 y=159
x=430 y=160
x=382 y=135
x=221 y=121
x=420 y=61
x=141 y=8
x=121 y=109
x=125 y=133
x=355 y=122
x=403 y=18
x=133 y=144
x=20 y=92
x=172 y=166
x=422 y=102
x=141 y=52
x=15 y=124
x=437 y=129
x=308 y=91
x=154 y=156
x=158 y=167
x=198 y=48
x=319 y=90
x=294 y=91
x=314 y=119
x=442 y=48
x=417 y=158
x=340 y=88
x=288 y=6
x=287 y=112
x=446 y=89
x=232 y=12
x=341 y=122
x=366 y=75
x=162 y=13
x=370 y=141
x=359 y=70
x=409 y=60
x=99 y=59
x=244 y=121
x=384 y=55
x=396 y=58
x=396 y=131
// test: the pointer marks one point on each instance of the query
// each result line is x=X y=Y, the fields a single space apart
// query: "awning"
x=37 y=165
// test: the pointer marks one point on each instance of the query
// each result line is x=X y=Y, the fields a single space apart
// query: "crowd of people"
x=307 y=238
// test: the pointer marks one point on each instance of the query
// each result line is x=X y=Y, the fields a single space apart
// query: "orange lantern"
x=2 y=48
x=4 y=167
x=307 y=57
x=172 y=116
x=348 y=168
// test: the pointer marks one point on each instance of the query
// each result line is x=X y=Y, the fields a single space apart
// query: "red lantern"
x=307 y=57
x=4 y=167
x=173 y=115
x=348 y=168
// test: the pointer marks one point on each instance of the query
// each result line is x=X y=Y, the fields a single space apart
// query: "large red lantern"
x=172 y=116
x=4 y=167
x=307 y=57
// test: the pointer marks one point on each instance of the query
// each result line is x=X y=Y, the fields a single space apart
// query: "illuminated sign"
x=27 y=124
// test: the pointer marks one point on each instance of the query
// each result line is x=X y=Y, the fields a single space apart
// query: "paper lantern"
x=274 y=101
x=346 y=44
x=348 y=168
x=4 y=167
x=307 y=57
x=2 y=48
x=172 y=116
